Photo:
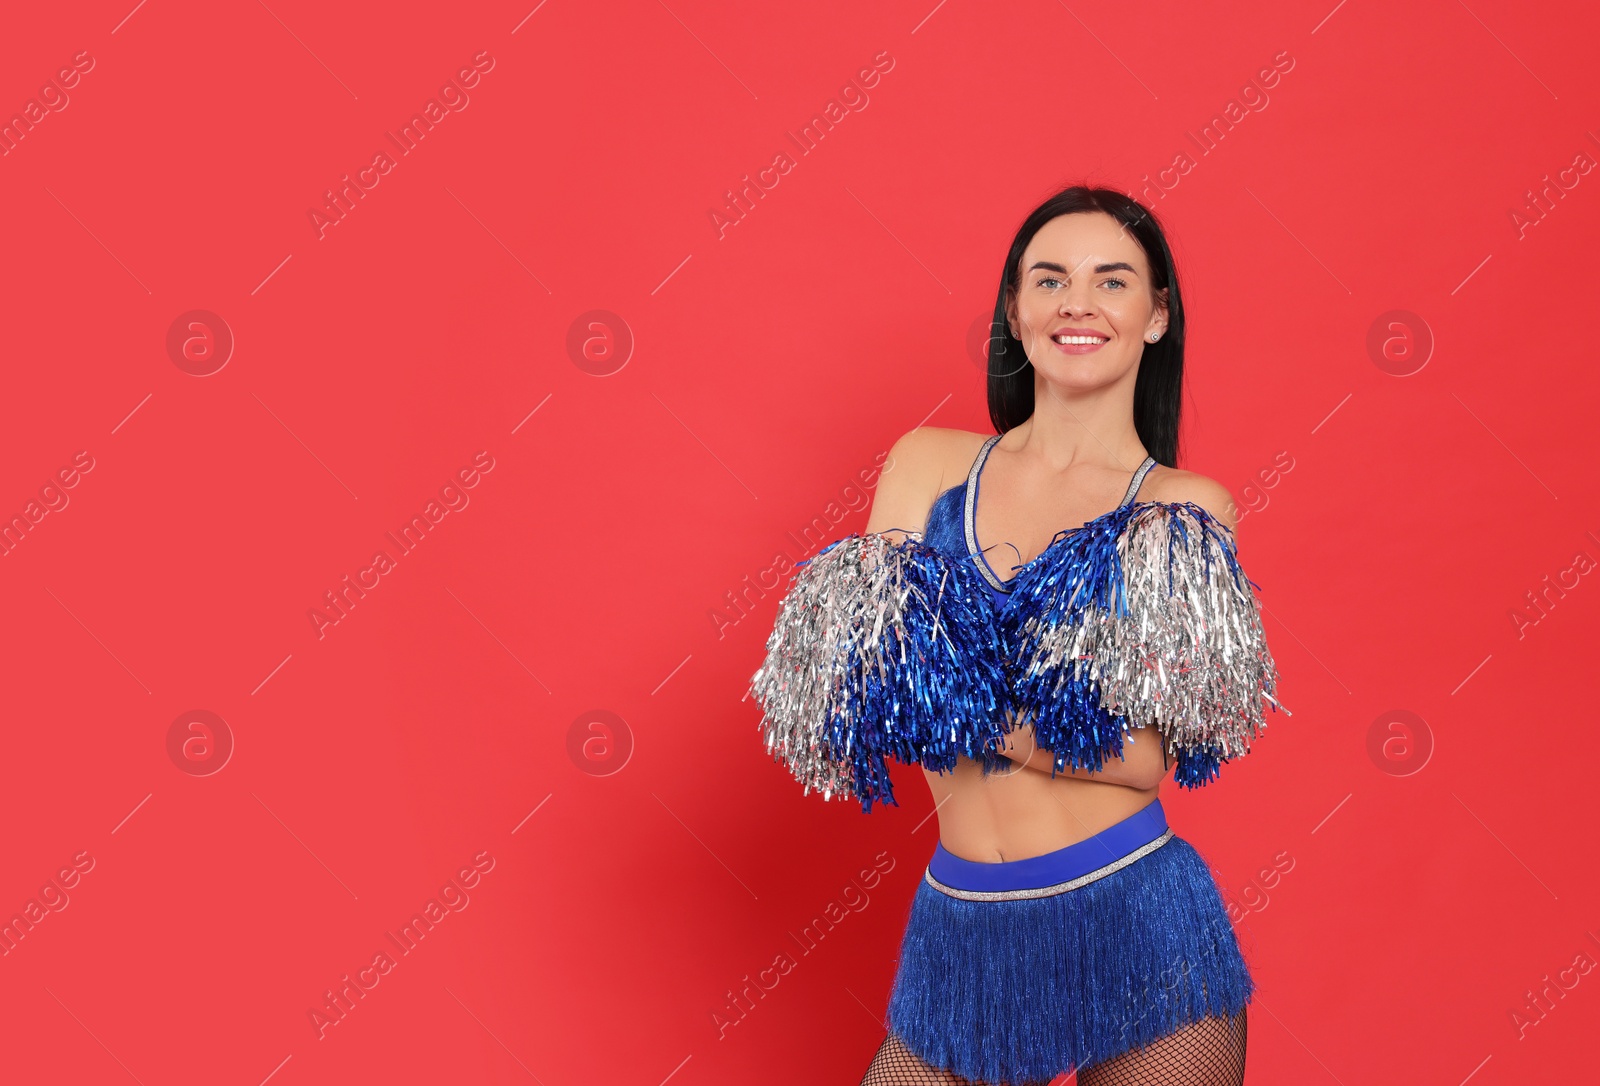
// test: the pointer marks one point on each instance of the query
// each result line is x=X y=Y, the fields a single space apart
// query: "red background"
x=1394 y=523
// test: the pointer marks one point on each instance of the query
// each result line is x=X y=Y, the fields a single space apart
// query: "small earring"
x=1154 y=336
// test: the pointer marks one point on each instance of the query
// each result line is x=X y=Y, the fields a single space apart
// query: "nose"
x=1076 y=299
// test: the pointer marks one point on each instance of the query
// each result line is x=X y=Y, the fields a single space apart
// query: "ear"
x=1158 y=319
x=1011 y=313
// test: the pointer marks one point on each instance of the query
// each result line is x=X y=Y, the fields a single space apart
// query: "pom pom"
x=1144 y=617
x=881 y=650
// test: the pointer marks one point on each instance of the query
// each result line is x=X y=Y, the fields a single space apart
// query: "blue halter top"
x=951 y=527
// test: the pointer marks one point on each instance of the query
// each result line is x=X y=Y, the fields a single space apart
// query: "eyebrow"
x=1050 y=265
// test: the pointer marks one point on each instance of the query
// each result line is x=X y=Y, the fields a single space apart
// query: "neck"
x=1070 y=427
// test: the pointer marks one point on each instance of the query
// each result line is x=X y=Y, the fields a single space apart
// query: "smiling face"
x=1084 y=306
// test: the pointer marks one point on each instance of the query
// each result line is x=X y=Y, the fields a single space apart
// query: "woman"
x=1069 y=929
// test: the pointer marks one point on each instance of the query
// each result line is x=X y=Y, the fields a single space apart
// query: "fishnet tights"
x=1209 y=1052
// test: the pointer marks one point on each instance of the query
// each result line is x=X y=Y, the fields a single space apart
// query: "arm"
x=1143 y=764
x=907 y=486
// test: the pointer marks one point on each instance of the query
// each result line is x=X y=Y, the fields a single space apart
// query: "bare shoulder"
x=1176 y=485
x=922 y=464
x=936 y=453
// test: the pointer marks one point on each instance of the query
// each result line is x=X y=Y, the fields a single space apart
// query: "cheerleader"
x=1047 y=655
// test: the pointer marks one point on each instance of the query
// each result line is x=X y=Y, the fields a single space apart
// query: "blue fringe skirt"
x=1020 y=971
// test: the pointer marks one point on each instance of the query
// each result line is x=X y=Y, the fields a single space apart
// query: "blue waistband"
x=1110 y=844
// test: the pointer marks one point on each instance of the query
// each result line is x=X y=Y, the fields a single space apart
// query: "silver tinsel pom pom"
x=881 y=651
x=1159 y=619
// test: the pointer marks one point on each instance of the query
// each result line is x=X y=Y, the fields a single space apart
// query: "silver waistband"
x=1058 y=888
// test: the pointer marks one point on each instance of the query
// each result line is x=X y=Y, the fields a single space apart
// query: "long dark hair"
x=1158 y=390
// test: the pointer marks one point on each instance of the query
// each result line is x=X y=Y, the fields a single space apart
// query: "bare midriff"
x=1016 y=813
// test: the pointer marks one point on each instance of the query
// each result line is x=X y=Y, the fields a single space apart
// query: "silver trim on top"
x=1138 y=479
x=1058 y=888
x=970 y=515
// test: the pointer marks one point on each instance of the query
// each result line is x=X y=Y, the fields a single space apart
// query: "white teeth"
x=1078 y=339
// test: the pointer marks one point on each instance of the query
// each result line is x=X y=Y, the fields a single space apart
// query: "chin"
x=1081 y=375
